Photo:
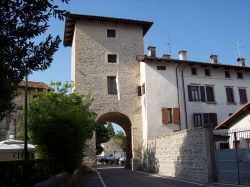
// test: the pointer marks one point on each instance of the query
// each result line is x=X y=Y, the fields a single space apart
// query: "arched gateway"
x=104 y=62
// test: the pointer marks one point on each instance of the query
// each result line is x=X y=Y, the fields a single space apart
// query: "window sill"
x=233 y=103
x=211 y=102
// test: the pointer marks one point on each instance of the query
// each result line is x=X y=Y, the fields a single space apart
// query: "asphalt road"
x=120 y=177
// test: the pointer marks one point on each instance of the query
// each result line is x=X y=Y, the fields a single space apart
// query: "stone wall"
x=184 y=154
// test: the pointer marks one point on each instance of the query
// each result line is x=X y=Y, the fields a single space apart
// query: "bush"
x=59 y=124
x=12 y=172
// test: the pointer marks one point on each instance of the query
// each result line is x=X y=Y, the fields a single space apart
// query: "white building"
x=183 y=94
x=237 y=129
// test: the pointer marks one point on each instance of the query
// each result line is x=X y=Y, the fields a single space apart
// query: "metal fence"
x=232 y=154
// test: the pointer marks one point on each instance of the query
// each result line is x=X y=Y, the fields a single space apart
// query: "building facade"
x=9 y=125
x=146 y=95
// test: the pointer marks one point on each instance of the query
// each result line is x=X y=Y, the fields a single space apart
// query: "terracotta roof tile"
x=35 y=85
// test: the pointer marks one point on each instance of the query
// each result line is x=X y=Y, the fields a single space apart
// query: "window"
x=243 y=95
x=143 y=89
x=111 y=33
x=210 y=94
x=239 y=75
x=205 y=119
x=170 y=115
x=112 y=58
x=161 y=67
x=196 y=93
x=210 y=119
x=197 y=120
x=230 y=95
x=193 y=71
x=112 y=89
x=227 y=74
x=224 y=145
x=207 y=72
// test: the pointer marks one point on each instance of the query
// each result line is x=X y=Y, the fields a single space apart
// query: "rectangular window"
x=112 y=58
x=239 y=75
x=169 y=115
x=161 y=67
x=207 y=72
x=197 y=120
x=227 y=74
x=243 y=95
x=111 y=33
x=112 y=89
x=210 y=94
x=143 y=91
x=196 y=93
x=205 y=119
x=230 y=95
x=193 y=71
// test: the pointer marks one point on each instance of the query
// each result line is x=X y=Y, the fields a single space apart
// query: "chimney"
x=214 y=59
x=241 y=61
x=166 y=56
x=182 y=55
x=151 y=51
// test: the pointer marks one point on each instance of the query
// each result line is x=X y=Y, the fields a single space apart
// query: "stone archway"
x=123 y=121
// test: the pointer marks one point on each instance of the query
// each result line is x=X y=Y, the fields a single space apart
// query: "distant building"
x=114 y=146
x=238 y=123
x=8 y=126
x=14 y=150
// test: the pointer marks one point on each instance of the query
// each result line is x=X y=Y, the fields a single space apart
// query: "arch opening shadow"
x=123 y=121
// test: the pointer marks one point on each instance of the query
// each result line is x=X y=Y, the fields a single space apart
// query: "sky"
x=201 y=27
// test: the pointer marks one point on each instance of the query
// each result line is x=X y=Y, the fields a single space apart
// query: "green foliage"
x=119 y=135
x=110 y=128
x=59 y=124
x=102 y=136
x=21 y=22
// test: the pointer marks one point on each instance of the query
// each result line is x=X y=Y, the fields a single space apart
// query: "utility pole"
x=26 y=169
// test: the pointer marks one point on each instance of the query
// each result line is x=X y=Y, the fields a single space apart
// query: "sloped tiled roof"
x=35 y=85
x=71 y=18
x=145 y=58
x=228 y=122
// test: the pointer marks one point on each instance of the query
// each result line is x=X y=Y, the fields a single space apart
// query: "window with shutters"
x=230 y=95
x=170 y=115
x=112 y=58
x=197 y=120
x=196 y=93
x=112 y=88
x=243 y=95
x=210 y=94
x=111 y=33
x=205 y=119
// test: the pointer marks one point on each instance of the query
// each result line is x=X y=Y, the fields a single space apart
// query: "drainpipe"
x=184 y=95
x=177 y=87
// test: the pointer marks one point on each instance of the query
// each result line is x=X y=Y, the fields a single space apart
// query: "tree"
x=119 y=135
x=110 y=128
x=21 y=22
x=102 y=136
x=59 y=124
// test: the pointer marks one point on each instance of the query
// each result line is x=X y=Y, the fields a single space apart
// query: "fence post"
x=212 y=175
x=236 y=156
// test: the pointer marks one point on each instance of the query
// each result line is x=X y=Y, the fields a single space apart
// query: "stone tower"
x=104 y=62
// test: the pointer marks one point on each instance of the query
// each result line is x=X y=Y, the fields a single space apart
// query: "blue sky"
x=201 y=27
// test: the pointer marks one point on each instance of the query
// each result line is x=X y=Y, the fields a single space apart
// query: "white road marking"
x=102 y=181
x=165 y=177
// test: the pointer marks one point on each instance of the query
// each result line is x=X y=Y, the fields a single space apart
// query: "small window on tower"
x=161 y=67
x=207 y=72
x=111 y=33
x=193 y=71
x=112 y=58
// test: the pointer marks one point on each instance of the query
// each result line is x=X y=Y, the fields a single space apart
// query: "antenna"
x=236 y=48
x=169 y=44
